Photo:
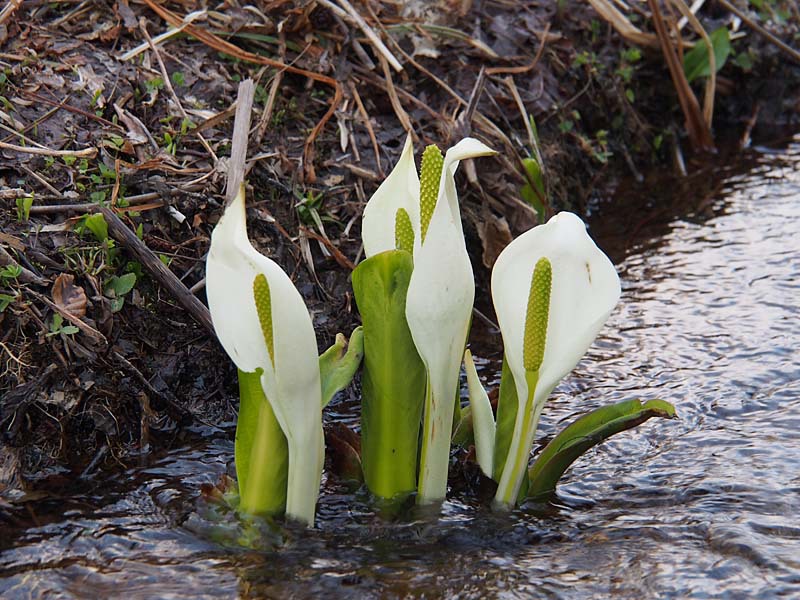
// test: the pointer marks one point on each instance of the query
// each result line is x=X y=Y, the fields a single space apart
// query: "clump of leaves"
x=24 y=205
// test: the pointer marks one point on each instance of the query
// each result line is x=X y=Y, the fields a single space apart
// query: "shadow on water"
x=705 y=506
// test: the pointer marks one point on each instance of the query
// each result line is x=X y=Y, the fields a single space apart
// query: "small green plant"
x=170 y=143
x=9 y=273
x=309 y=210
x=627 y=66
x=96 y=98
x=153 y=85
x=533 y=190
x=24 y=205
x=57 y=327
x=590 y=60
x=5 y=301
x=117 y=287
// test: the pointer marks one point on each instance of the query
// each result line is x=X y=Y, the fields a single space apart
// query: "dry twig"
x=241 y=131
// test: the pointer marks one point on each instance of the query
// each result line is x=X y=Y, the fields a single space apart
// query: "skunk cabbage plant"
x=264 y=326
x=415 y=293
x=553 y=290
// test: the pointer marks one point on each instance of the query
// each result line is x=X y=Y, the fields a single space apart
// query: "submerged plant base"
x=219 y=519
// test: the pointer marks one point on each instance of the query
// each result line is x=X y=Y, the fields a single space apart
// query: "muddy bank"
x=99 y=362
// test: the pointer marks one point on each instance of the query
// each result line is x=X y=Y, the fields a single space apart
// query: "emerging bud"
x=537 y=315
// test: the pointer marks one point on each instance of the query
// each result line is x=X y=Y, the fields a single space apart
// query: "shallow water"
x=705 y=506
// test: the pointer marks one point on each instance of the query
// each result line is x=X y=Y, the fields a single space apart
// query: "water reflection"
x=705 y=506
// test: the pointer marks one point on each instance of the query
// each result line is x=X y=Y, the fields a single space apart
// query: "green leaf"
x=69 y=330
x=338 y=364
x=393 y=379
x=55 y=326
x=696 y=63
x=116 y=304
x=261 y=451
x=586 y=432
x=116 y=287
x=533 y=195
x=96 y=223
x=24 y=205
x=5 y=301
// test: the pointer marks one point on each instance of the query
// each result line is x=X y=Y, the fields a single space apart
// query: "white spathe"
x=399 y=190
x=585 y=288
x=438 y=311
x=291 y=381
x=483 y=425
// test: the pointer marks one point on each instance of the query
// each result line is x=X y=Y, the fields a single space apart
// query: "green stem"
x=427 y=435
x=437 y=429
x=261 y=451
x=265 y=491
x=519 y=453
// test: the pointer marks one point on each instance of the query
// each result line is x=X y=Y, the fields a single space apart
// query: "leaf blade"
x=586 y=432
x=393 y=378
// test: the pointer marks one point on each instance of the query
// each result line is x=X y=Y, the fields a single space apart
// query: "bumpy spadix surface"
x=290 y=378
x=536 y=316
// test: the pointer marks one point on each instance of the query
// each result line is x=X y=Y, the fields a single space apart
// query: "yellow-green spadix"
x=263 y=324
x=441 y=289
x=553 y=289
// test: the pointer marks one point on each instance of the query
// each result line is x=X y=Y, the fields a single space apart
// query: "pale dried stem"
x=86 y=152
x=239 y=139
x=402 y=115
x=711 y=81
